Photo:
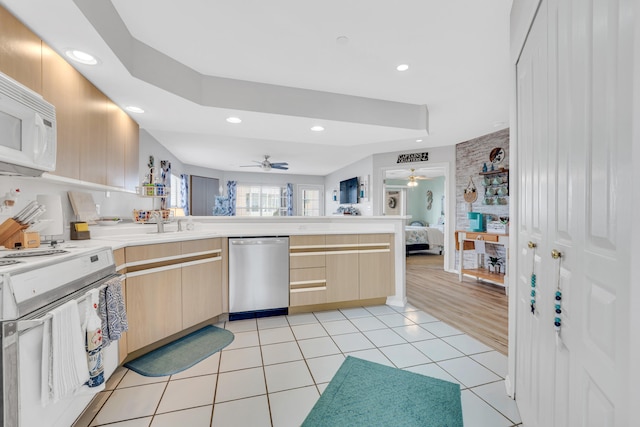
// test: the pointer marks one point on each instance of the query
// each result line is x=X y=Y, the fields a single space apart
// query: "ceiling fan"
x=266 y=165
x=412 y=180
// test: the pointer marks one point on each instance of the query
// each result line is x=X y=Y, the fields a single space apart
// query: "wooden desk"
x=465 y=241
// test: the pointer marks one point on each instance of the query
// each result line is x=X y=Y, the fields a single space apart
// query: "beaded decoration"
x=557 y=320
x=533 y=278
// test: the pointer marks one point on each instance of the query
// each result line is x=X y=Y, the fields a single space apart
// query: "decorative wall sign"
x=413 y=157
x=429 y=199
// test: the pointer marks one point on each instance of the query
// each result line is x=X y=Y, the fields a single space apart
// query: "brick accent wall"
x=471 y=156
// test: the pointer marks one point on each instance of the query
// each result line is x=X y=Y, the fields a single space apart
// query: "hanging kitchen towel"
x=93 y=342
x=64 y=361
x=480 y=246
x=112 y=311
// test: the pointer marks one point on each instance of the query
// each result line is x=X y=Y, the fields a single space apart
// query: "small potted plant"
x=496 y=263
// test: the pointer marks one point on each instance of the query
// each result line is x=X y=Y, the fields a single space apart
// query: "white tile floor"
x=275 y=369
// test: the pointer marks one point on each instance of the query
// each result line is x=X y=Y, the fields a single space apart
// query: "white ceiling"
x=277 y=65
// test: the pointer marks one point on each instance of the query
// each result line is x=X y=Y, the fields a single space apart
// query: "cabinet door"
x=93 y=139
x=342 y=268
x=201 y=291
x=375 y=262
x=116 y=142
x=62 y=86
x=154 y=307
x=20 y=52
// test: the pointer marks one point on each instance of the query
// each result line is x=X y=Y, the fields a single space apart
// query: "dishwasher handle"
x=255 y=241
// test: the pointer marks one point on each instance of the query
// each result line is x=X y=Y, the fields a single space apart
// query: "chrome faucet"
x=158 y=216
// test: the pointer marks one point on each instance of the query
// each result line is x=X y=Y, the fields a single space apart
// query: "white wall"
x=363 y=169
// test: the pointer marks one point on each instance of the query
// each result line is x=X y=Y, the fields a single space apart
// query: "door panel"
x=573 y=96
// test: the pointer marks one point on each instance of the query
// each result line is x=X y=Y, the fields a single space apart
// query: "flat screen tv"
x=349 y=191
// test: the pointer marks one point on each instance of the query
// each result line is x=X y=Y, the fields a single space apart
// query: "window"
x=310 y=200
x=260 y=200
x=175 y=199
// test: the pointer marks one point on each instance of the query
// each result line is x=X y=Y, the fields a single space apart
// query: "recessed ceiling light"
x=134 y=109
x=317 y=128
x=402 y=67
x=81 y=57
x=418 y=140
x=343 y=40
x=234 y=120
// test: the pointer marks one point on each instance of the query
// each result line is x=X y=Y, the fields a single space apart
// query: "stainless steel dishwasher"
x=258 y=277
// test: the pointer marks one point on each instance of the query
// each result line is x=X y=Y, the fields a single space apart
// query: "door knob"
x=555 y=254
x=532 y=245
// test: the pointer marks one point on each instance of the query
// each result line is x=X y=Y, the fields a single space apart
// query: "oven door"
x=22 y=391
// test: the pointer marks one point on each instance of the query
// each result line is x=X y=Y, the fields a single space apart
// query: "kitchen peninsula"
x=164 y=270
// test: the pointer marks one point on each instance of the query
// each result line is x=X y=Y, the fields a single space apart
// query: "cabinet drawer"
x=306 y=241
x=308 y=297
x=483 y=236
x=307 y=277
x=151 y=252
x=202 y=245
x=305 y=260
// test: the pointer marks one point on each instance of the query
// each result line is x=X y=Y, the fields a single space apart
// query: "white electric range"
x=32 y=283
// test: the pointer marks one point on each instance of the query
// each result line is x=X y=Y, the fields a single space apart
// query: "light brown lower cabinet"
x=376 y=265
x=340 y=267
x=154 y=306
x=201 y=291
x=171 y=287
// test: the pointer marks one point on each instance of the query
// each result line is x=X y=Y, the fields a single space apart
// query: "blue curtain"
x=231 y=194
x=184 y=192
x=165 y=181
x=289 y=196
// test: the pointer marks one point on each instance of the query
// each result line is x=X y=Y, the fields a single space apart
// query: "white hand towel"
x=480 y=247
x=64 y=358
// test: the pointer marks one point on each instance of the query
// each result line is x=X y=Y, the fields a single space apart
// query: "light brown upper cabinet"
x=20 y=52
x=97 y=141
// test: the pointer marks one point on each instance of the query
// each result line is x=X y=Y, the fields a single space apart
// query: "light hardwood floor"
x=476 y=308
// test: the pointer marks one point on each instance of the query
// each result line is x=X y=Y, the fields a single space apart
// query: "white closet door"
x=574 y=142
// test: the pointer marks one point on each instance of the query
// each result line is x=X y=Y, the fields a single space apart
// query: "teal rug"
x=182 y=353
x=368 y=394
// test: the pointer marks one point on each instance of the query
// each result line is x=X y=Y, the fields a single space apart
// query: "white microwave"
x=27 y=130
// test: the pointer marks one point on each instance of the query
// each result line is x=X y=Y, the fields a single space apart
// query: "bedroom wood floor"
x=478 y=309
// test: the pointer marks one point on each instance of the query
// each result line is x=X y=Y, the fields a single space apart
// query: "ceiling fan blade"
x=251 y=166
x=279 y=166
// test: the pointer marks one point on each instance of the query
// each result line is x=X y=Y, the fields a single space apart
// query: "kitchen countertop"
x=134 y=234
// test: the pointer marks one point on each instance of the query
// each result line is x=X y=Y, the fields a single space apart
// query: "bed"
x=419 y=238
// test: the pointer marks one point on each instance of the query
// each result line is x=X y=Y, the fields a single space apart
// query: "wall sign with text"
x=413 y=157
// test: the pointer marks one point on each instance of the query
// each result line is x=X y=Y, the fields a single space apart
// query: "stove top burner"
x=9 y=262
x=36 y=253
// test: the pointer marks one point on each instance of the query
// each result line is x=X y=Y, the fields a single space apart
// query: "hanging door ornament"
x=557 y=320
x=533 y=246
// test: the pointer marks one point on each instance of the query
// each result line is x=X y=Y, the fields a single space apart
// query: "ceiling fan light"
x=412 y=183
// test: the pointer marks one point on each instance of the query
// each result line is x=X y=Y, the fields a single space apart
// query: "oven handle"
x=27 y=324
